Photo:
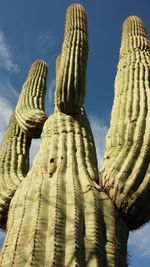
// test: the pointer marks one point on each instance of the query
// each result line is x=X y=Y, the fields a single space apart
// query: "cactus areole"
x=63 y=212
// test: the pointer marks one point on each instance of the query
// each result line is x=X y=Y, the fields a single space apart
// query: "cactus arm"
x=29 y=111
x=126 y=165
x=14 y=152
x=14 y=164
x=70 y=83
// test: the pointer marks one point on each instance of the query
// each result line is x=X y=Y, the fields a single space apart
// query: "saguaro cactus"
x=61 y=213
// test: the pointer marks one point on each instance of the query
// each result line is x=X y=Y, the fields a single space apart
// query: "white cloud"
x=99 y=129
x=11 y=91
x=49 y=98
x=50 y=90
x=44 y=42
x=139 y=241
x=33 y=149
x=7 y=92
x=6 y=61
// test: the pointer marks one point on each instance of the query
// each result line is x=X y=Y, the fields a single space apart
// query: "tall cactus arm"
x=59 y=216
x=14 y=164
x=125 y=173
x=70 y=83
x=14 y=152
x=29 y=111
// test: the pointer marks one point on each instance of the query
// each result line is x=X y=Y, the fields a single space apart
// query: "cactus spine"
x=59 y=213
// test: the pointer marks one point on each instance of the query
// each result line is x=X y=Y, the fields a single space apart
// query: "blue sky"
x=34 y=29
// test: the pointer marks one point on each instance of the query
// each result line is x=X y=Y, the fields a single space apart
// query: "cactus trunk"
x=60 y=203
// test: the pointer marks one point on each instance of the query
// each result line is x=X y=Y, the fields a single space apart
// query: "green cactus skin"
x=29 y=111
x=14 y=165
x=59 y=215
x=14 y=152
x=125 y=174
x=70 y=81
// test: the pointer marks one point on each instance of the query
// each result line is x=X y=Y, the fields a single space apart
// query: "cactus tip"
x=133 y=25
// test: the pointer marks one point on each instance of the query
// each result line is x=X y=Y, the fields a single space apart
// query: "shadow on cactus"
x=62 y=212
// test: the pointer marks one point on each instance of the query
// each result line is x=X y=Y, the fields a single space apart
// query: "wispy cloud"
x=44 y=42
x=99 y=129
x=6 y=61
x=49 y=99
x=139 y=241
x=50 y=89
x=6 y=92
x=33 y=149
